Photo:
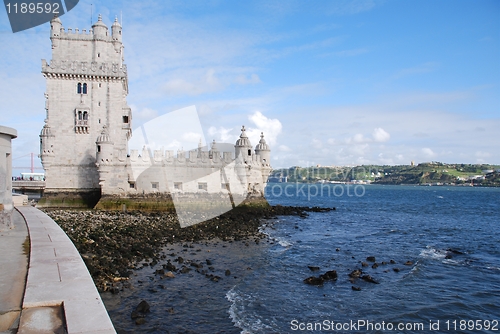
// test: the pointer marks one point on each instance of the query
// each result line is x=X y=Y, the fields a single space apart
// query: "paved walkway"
x=13 y=271
x=59 y=293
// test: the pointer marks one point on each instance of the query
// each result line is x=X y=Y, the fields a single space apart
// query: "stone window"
x=154 y=185
x=202 y=186
x=249 y=152
x=81 y=88
x=132 y=185
x=125 y=119
x=98 y=148
x=81 y=121
x=178 y=185
x=224 y=186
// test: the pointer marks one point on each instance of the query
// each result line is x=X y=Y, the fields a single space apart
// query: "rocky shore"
x=113 y=243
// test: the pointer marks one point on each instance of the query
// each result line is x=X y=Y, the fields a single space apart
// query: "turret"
x=214 y=152
x=100 y=29
x=243 y=147
x=46 y=146
x=104 y=148
x=263 y=150
x=55 y=27
x=116 y=31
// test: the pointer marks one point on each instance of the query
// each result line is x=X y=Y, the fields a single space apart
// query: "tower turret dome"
x=243 y=141
x=262 y=145
x=99 y=28
x=104 y=136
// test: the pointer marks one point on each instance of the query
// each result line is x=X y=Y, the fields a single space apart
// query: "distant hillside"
x=425 y=173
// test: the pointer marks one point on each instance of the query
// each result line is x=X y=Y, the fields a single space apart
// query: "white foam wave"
x=433 y=253
x=241 y=317
x=283 y=242
x=493 y=268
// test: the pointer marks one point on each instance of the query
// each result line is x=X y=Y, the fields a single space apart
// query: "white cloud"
x=222 y=134
x=199 y=84
x=192 y=137
x=284 y=148
x=380 y=135
x=316 y=143
x=481 y=154
x=428 y=153
x=270 y=127
x=143 y=115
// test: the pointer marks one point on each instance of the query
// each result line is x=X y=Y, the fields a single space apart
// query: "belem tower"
x=84 y=142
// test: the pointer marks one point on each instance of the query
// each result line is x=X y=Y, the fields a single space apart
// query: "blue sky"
x=329 y=82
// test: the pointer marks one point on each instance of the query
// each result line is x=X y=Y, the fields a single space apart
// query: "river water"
x=444 y=243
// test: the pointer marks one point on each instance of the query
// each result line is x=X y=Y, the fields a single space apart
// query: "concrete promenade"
x=57 y=294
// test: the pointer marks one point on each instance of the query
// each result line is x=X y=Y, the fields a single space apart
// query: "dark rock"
x=313 y=268
x=392 y=262
x=375 y=265
x=364 y=264
x=140 y=321
x=227 y=272
x=170 y=267
x=384 y=263
x=171 y=310
x=396 y=270
x=209 y=263
x=370 y=259
x=314 y=280
x=408 y=263
x=142 y=307
x=368 y=278
x=135 y=315
x=329 y=275
x=448 y=256
x=454 y=251
x=184 y=270
x=356 y=288
x=160 y=272
x=355 y=273
x=179 y=259
x=337 y=249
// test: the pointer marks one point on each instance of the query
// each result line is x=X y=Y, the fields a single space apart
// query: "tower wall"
x=86 y=87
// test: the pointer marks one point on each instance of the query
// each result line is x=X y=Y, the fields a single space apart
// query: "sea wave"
x=433 y=253
x=241 y=316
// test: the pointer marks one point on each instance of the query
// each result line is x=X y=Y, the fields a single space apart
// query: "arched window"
x=79 y=115
x=79 y=88
x=84 y=88
x=249 y=152
x=85 y=116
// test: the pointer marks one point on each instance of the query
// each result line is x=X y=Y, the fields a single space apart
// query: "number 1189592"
x=32 y=7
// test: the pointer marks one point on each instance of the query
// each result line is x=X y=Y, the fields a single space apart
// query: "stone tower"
x=85 y=102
